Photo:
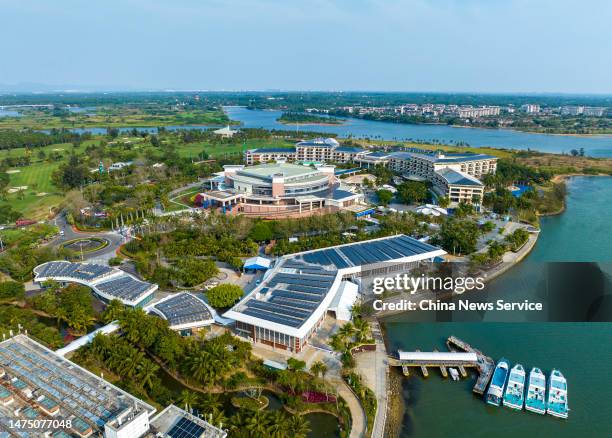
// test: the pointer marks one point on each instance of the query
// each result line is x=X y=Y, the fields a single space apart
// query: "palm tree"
x=347 y=330
x=188 y=399
x=279 y=424
x=209 y=402
x=113 y=311
x=258 y=424
x=298 y=427
x=200 y=366
x=61 y=315
x=217 y=418
x=146 y=373
x=318 y=367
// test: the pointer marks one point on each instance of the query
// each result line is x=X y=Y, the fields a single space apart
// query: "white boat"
x=557 y=395
x=535 y=401
x=514 y=397
x=498 y=382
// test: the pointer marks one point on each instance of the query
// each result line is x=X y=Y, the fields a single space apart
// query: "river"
x=596 y=146
x=437 y=407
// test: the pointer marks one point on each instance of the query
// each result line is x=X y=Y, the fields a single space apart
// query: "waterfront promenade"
x=374 y=367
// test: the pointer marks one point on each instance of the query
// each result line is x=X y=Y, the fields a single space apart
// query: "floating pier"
x=461 y=355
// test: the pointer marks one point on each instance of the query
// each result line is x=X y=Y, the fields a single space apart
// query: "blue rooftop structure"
x=300 y=287
x=459 y=178
x=320 y=142
x=350 y=149
x=339 y=172
x=266 y=150
x=340 y=194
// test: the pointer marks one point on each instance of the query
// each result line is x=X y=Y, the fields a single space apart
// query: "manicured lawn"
x=41 y=193
x=221 y=150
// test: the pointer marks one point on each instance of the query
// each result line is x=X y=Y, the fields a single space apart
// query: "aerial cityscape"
x=305 y=219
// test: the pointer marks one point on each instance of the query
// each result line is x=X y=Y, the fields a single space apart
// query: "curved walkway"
x=358 y=416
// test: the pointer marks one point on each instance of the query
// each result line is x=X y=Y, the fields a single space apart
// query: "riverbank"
x=510 y=259
x=594 y=146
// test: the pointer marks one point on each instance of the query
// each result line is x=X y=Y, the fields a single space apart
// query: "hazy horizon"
x=437 y=46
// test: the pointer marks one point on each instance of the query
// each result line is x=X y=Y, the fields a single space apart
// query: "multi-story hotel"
x=455 y=176
x=452 y=175
x=318 y=150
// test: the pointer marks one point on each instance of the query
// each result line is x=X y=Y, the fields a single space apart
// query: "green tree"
x=113 y=311
x=295 y=364
x=12 y=290
x=261 y=232
x=411 y=192
x=444 y=201
x=188 y=399
x=318 y=368
x=458 y=236
x=224 y=295
x=298 y=427
x=147 y=372
x=384 y=196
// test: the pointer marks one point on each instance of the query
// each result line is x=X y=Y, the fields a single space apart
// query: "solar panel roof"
x=186 y=428
x=184 y=308
x=300 y=283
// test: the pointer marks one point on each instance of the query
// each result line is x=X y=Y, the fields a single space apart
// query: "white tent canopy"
x=257 y=263
x=343 y=301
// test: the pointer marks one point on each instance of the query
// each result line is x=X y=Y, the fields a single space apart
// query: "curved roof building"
x=292 y=300
x=279 y=190
x=184 y=311
x=106 y=282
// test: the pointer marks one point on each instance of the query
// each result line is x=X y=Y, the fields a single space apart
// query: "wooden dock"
x=483 y=364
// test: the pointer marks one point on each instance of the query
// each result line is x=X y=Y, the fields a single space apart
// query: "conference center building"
x=291 y=302
x=278 y=190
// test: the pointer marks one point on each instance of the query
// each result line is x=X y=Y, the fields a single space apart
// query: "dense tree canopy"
x=224 y=295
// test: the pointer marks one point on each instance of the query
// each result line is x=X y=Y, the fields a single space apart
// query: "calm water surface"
x=438 y=407
x=599 y=146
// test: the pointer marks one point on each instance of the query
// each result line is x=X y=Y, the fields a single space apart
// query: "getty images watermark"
x=389 y=288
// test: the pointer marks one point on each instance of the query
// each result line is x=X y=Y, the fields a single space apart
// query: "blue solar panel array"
x=184 y=308
x=79 y=271
x=295 y=291
x=374 y=251
x=186 y=428
x=125 y=287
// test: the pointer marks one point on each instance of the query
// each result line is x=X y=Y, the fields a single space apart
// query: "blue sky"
x=435 y=45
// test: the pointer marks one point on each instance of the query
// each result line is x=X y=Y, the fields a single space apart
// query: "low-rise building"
x=106 y=282
x=290 y=304
x=225 y=132
x=57 y=388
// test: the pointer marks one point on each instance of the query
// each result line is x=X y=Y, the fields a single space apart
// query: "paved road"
x=115 y=240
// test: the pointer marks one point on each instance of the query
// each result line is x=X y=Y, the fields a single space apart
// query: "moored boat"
x=514 y=397
x=498 y=382
x=535 y=401
x=557 y=405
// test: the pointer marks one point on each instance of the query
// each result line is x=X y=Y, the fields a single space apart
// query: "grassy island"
x=308 y=119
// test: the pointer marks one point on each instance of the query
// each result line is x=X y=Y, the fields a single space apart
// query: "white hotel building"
x=454 y=175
